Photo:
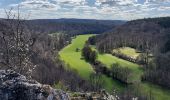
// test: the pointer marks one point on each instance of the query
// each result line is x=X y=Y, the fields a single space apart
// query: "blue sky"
x=89 y=9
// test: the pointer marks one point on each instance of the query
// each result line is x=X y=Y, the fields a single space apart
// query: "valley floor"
x=73 y=58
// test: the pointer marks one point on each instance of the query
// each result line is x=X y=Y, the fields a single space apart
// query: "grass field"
x=108 y=60
x=73 y=58
x=127 y=51
x=84 y=69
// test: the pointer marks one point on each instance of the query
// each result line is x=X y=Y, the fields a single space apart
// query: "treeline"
x=150 y=36
x=158 y=71
x=73 y=26
x=128 y=35
x=88 y=54
x=162 y=21
x=121 y=73
x=117 y=72
x=139 y=60
x=145 y=35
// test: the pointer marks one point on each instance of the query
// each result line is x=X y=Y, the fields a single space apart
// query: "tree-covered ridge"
x=73 y=26
x=150 y=37
x=162 y=21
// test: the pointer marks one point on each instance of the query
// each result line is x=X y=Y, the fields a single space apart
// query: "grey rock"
x=14 y=86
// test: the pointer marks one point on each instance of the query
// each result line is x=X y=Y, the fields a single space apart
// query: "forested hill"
x=73 y=20
x=71 y=26
x=136 y=34
x=151 y=37
x=74 y=26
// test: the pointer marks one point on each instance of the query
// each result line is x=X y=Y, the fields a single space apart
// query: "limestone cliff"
x=14 y=86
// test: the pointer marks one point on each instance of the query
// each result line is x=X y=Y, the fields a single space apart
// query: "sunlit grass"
x=108 y=60
x=84 y=69
x=73 y=58
x=131 y=52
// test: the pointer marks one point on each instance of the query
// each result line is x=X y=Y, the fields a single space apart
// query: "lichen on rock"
x=14 y=86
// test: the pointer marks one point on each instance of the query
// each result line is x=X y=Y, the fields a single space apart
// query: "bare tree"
x=16 y=43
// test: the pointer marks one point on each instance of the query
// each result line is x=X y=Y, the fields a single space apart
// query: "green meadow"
x=127 y=51
x=73 y=58
x=108 y=60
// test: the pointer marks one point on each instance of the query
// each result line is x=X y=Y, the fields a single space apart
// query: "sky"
x=88 y=9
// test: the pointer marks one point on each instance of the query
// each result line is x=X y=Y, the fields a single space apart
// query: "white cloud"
x=163 y=8
x=70 y=2
x=36 y=4
x=115 y=2
x=104 y=9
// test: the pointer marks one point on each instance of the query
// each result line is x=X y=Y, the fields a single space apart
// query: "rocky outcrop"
x=14 y=86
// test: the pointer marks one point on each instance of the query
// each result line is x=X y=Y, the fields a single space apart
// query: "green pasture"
x=72 y=57
x=131 y=52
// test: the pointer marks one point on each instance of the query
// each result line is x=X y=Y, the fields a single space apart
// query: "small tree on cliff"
x=16 y=42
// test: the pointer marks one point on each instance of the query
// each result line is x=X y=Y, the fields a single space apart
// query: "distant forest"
x=73 y=26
